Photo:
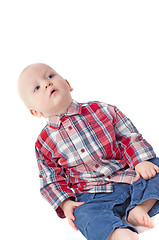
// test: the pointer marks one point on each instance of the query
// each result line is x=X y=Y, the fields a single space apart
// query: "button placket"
x=62 y=119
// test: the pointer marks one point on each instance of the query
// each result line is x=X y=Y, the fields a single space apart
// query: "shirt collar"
x=73 y=109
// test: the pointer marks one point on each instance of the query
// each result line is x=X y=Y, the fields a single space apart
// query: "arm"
x=53 y=184
x=133 y=147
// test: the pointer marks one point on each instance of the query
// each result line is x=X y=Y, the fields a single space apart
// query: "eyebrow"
x=45 y=73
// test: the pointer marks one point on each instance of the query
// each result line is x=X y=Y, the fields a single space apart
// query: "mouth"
x=52 y=92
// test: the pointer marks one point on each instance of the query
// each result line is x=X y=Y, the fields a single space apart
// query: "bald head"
x=43 y=90
x=27 y=76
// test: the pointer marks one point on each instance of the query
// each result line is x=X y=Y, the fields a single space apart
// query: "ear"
x=71 y=89
x=35 y=113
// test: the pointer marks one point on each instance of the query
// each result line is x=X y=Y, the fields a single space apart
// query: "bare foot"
x=123 y=234
x=139 y=217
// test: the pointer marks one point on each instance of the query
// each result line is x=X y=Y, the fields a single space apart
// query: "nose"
x=47 y=84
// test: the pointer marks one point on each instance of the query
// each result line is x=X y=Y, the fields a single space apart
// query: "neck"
x=64 y=110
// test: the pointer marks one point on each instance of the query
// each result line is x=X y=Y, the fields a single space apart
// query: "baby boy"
x=94 y=165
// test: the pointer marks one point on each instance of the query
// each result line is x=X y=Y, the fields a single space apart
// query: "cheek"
x=63 y=86
x=40 y=103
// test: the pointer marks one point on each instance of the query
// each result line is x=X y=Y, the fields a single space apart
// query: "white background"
x=109 y=51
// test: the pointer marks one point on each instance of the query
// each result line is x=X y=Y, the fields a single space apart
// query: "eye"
x=36 y=89
x=50 y=76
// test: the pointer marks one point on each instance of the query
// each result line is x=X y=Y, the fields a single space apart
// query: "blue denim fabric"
x=102 y=212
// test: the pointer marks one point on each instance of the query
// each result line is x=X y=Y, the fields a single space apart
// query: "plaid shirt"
x=92 y=145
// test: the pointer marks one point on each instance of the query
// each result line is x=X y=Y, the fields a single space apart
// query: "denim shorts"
x=103 y=212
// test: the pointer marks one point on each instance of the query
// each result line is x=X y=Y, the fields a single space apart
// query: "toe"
x=151 y=224
x=145 y=221
x=141 y=221
x=148 y=222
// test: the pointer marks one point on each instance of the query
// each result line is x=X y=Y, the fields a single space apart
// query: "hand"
x=68 y=206
x=146 y=169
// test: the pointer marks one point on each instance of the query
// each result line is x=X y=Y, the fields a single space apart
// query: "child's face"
x=44 y=91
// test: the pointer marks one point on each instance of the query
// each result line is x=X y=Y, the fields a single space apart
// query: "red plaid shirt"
x=92 y=145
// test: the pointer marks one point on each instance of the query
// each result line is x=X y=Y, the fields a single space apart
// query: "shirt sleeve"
x=54 y=186
x=133 y=146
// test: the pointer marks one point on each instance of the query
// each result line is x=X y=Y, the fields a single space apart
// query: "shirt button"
x=70 y=128
x=97 y=165
x=109 y=177
x=82 y=150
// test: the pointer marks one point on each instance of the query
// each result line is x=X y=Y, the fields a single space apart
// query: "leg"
x=123 y=234
x=144 y=200
x=139 y=214
x=98 y=219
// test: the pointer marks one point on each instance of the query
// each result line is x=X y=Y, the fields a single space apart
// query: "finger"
x=72 y=224
x=156 y=168
x=146 y=174
x=77 y=204
x=69 y=215
x=137 y=177
x=153 y=172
